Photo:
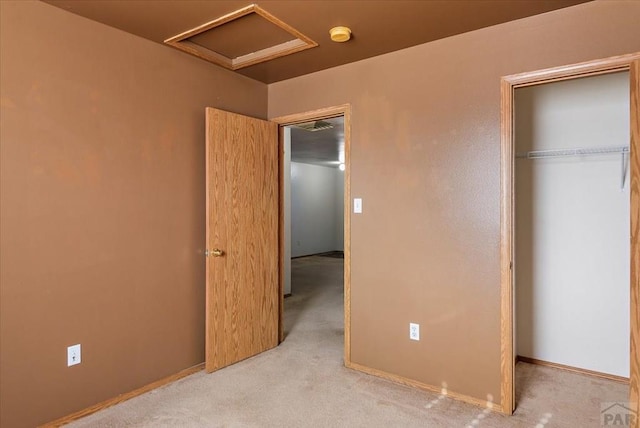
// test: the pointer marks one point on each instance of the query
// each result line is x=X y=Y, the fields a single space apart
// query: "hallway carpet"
x=302 y=383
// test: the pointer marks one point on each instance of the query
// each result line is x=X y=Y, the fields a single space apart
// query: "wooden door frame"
x=631 y=63
x=292 y=119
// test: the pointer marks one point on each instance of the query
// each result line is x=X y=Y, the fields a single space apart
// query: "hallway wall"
x=316 y=205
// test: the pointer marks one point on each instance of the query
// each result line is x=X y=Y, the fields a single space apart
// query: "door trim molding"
x=508 y=84
x=292 y=119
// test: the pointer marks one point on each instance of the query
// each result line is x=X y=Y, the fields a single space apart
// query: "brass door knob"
x=217 y=253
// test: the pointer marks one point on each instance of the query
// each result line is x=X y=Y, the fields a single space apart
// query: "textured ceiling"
x=378 y=26
x=324 y=147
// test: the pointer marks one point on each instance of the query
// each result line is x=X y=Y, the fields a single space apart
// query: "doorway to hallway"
x=315 y=223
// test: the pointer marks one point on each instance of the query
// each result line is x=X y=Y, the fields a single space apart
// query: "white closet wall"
x=572 y=225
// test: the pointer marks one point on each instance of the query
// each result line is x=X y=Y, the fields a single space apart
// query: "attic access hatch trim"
x=299 y=43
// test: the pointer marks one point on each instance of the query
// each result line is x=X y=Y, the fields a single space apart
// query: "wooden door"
x=242 y=300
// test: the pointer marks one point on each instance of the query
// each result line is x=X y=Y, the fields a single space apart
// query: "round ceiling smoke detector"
x=340 y=34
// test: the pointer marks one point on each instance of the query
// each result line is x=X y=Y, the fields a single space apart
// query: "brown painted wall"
x=102 y=209
x=426 y=161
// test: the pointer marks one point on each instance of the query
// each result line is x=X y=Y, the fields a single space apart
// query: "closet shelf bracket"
x=624 y=167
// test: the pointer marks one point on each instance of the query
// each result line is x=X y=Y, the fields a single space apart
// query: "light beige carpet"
x=302 y=383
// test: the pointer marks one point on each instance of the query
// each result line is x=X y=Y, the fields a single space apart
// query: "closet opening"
x=570 y=246
x=571 y=255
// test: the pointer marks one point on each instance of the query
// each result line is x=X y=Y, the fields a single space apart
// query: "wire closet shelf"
x=590 y=151
x=538 y=154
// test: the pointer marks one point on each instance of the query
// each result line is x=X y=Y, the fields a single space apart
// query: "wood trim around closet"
x=631 y=63
x=507 y=361
x=634 y=165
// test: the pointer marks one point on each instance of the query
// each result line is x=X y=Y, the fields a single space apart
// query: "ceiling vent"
x=318 y=125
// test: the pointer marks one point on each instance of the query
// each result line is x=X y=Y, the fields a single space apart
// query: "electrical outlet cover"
x=414 y=331
x=74 y=355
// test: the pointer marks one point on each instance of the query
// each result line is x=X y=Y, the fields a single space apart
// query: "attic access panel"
x=242 y=38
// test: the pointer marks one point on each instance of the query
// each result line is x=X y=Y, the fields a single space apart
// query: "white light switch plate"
x=357 y=205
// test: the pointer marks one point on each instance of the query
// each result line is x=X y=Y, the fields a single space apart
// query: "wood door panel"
x=242 y=220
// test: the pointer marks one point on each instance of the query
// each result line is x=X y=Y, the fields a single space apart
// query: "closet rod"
x=538 y=154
